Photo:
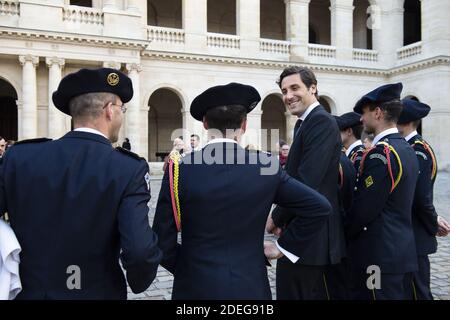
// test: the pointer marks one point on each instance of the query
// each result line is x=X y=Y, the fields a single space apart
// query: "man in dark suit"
x=381 y=241
x=351 y=128
x=313 y=160
x=76 y=202
x=426 y=223
x=220 y=197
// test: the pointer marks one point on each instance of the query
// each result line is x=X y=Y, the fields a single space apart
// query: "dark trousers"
x=392 y=287
x=299 y=282
x=418 y=284
x=338 y=280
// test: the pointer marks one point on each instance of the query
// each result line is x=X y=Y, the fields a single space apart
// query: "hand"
x=443 y=227
x=271 y=250
x=271 y=227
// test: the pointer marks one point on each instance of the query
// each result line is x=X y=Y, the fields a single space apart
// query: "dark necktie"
x=297 y=127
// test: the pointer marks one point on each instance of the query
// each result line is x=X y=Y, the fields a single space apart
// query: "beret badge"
x=113 y=79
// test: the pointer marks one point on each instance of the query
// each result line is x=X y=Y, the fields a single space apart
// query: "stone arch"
x=412 y=29
x=164 y=116
x=319 y=11
x=164 y=13
x=8 y=110
x=273 y=118
x=221 y=16
x=362 y=34
x=328 y=102
x=273 y=19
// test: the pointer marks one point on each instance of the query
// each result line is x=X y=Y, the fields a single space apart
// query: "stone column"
x=133 y=6
x=56 y=119
x=133 y=109
x=387 y=29
x=248 y=25
x=253 y=133
x=342 y=28
x=297 y=28
x=290 y=124
x=109 y=4
x=435 y=27
x=28 y=119
x=195 y=24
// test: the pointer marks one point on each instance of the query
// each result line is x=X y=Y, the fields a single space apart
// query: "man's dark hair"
x=357 y=130
x=226 y=117
x=416 y=123
x=306 y=75
x=392 y=109
x=196 y=136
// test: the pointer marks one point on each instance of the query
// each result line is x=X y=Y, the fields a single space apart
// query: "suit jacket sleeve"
x=310 y=210
x=164 y=225
x=140 y=254
x=423 y=206
x=373 y=188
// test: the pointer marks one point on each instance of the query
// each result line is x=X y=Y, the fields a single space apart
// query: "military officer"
x=381 y=240
x=219 y=198
x=426 y=223
x=76 y=204
x=351 y=128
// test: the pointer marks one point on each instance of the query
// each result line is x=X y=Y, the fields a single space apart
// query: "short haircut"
x=196 y=136
x=357 y=130
x=90 y=105
x=416 y=123
x=226 y=117
x=392 y=109
x=306 y=75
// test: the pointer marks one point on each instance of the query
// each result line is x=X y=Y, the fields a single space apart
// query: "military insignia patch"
x=378 y=156
x=369 y=181
x=147 y=180
x=423 y=155
x=113 y=79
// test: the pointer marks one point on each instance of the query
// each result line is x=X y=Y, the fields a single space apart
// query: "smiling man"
x=313 y=160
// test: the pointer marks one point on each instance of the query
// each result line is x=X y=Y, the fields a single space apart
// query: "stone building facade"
x=175 y=49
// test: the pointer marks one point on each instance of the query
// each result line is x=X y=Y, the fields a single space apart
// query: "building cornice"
x=418 y=65
x=95 y=40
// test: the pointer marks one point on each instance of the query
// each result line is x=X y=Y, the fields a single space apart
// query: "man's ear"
x=313 y=89
x=109 y=110
x=205 y=124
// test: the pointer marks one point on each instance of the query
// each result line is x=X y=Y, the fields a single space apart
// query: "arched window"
x=412 y=29
x=222 y=16
x=319 y=12
x=273 y=19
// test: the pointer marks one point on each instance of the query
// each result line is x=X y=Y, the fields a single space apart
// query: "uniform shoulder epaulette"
x=129 y=153
x=382 y=151
x=422 y=144
x=37 y=140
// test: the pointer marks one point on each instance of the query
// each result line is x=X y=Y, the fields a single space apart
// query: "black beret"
x=412 y=111
x=384 y=93
x=230 y=94
x=348 y=120
x=92 y=80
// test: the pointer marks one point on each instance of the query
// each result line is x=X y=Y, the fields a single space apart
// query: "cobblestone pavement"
x=160 y=289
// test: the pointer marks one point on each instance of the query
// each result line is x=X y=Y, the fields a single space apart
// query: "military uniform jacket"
x=314 y=160
x=73 y=204
x=347 y=180
x=424 y=216
x=224 y=208
x=379 y=223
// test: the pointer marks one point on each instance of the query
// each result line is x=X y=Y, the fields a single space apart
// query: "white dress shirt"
x=383 y=134
x=412 y=134
x=10 y=284
x=353 y=146
x=90 y=130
